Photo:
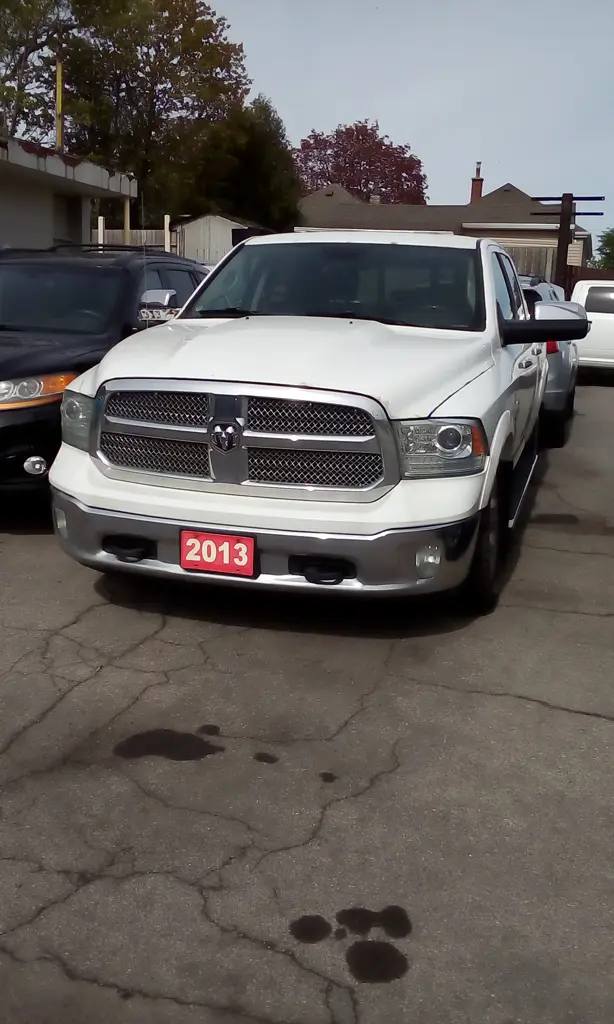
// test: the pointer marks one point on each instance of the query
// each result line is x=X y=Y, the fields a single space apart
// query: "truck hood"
x=410 y=371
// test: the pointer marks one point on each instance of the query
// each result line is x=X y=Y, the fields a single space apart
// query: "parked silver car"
x=559 y=399
x=548 y=291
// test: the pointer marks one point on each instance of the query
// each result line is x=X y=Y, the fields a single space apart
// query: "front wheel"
x=482 y=588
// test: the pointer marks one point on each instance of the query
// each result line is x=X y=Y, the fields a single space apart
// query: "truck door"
x=519 y=364
x=536 y=353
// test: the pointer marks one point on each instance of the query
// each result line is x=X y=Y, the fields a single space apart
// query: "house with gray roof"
x=527 y=229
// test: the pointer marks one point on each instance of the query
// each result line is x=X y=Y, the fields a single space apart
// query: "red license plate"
x=217 y=552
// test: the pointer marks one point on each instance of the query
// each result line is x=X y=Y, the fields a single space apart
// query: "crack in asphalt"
x=81 y=883
x=271 y=947
x=193 y=887
x=72 y=975
x=524 y=698
x=64 y=693
x=254 y=851
x=315 y=832
x=566 y=551
x=361 y=707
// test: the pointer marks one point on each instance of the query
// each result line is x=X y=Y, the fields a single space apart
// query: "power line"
x=567 y=216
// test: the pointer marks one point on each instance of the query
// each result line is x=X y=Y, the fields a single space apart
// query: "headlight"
x=77 y=415
x=431 y=448
x=27 y=391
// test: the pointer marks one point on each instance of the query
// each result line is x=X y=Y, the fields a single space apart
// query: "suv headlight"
x=25 y=392
x=432 y=448
x=77 y=416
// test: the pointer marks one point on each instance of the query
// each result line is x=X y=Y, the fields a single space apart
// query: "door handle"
x=525 y=364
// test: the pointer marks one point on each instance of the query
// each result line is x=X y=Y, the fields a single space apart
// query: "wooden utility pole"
x=127 y=231
x=59 y=107
x=567 y=218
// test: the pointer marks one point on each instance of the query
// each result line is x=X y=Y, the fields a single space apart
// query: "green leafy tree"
x=139 y=76
x=29 y=32
x=243 y=166
x=604 y=257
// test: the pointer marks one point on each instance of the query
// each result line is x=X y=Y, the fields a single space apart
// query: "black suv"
x=61 y=310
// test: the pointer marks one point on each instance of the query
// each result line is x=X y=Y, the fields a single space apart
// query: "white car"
x=352 y=412
x=597 y=349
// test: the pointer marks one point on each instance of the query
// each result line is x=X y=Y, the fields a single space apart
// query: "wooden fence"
x=152 y=238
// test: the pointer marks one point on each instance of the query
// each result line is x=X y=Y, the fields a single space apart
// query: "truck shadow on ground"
x=322 y=613
x=26 y=515
x=595 y=378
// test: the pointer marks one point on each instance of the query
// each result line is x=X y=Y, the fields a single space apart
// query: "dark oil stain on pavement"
x=393 y=921
x=376 y=962
x=369 y=961
x=166 y=743
x=265 y=758
x=310 y=928
x=187 y=746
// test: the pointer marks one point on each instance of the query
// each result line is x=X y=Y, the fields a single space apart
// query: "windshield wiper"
x=361 y=316
x=227 y=311
x=11 y=327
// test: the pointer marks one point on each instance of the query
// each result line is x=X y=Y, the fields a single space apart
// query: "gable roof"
x=335 y=207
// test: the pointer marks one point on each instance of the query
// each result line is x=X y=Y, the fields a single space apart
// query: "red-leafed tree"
x=364 y=161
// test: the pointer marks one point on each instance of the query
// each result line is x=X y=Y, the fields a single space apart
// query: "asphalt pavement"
x=224 y=808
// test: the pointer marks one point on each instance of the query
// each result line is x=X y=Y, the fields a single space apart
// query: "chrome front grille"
x=156 y=455
x=314 y=469
x=179 y=408
x=205 y=435
x=280 y=416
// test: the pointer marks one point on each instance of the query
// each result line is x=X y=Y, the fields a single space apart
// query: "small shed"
x=207 y=239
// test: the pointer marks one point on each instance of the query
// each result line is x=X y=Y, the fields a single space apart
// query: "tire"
x=481 y=591
x=555 y=429
x=570 y=408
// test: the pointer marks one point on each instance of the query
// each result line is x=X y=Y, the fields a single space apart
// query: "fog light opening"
x=60 y=522
x=428 y=560
x=35 y=465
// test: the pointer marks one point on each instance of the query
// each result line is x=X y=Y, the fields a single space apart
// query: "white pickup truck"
x=353 y=412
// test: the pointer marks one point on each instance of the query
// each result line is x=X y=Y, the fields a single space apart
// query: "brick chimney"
x=477 y=184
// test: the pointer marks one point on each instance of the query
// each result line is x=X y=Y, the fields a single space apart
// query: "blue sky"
x=525 y=87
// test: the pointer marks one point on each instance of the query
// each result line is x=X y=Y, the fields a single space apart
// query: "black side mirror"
x=552 y=321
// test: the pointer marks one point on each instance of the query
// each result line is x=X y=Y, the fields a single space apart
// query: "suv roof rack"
x=104 y=247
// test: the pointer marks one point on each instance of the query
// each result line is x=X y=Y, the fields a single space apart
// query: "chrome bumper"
x=393 y=562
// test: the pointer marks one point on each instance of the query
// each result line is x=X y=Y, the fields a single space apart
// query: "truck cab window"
x=505 y=305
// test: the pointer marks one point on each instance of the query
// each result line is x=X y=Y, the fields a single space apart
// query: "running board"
x=522 y=479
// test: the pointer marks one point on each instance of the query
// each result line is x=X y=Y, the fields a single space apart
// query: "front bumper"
x=25 y=433
x=400 y=561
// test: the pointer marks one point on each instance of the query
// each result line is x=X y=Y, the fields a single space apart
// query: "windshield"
x=54 y=298
x=414 y=285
